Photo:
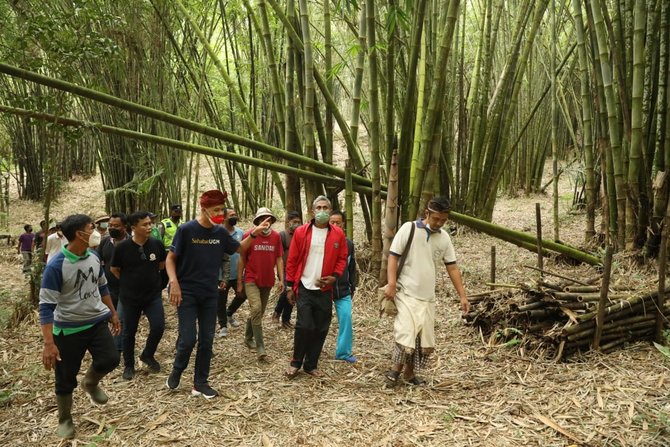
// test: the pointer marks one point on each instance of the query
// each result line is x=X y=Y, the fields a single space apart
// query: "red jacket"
x=334 y=257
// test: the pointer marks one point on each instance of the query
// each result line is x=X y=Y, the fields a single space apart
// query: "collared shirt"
x=430 y=250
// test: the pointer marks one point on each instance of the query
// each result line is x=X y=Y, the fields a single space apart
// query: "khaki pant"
x=258 y=300
x=416 y=318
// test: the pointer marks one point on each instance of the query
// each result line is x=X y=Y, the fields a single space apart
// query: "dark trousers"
x=283 y=307
x=315 y=309
x=72 y=348
x=197 y=323
x=132 y=311
x=221 y=311
x=239 y=299
x=118 y=339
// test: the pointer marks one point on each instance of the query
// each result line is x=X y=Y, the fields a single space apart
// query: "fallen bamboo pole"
x=520 y=238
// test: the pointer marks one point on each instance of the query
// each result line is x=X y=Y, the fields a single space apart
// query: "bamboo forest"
x=528 y=141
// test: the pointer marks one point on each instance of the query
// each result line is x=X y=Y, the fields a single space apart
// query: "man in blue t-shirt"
x=193 y=268
x=228 y=277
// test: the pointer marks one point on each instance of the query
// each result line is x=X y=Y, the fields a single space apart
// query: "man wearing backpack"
x=414 y=289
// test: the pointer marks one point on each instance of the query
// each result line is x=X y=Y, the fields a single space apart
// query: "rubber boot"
x=90 y=385
x=249 y=336
x=65 y=424
x=260 y=346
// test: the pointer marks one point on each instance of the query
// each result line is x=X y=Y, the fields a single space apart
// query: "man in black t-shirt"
x=193 y=268
x=117 y=225
x=137 y=263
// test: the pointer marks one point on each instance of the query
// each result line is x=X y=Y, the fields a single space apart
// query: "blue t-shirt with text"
x=199 y=251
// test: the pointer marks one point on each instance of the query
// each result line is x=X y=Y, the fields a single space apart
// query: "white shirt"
x=54 y=245
x=314 y=263
x=428 y=253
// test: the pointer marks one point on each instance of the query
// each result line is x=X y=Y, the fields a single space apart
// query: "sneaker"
x=232 y=321
x=151 y=363
x=223 y=332
x=172 y=381
x=204 y=390
x=128 y=373
x=349 y=359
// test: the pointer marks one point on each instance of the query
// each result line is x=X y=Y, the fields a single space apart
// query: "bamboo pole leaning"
x=179 y=121
x=181 y=145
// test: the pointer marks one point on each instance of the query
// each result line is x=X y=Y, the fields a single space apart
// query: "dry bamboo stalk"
x=622 y=305
x=602 y=300
x=595 y=297
x=557 y=275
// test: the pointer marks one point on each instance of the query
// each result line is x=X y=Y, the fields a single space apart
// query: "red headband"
x=212 y=198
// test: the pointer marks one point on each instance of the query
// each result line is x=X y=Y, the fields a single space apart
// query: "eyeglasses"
x=143 y=256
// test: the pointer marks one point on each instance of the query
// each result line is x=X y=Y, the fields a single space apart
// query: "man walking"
x=168 y=226
x=193 y=266
x=117 y=229
x=75 y=307
x=137 y=264
x=316 y=259
x=283 y=308
x=228 y=279
x=55 y=242
x=25 y=247
x=344 y=292
x=414 y=290
x=257 y=272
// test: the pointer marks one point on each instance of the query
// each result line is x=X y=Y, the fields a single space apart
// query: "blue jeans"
x=345 y=332
x=153 y=310
x=194 y=310
x=118 y=339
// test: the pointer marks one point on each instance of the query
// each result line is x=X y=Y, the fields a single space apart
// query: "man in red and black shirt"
x=316 y=258
x=256 y=273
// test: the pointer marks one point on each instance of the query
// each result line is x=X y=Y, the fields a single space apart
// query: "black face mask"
x=232 y=221
x=115 y=233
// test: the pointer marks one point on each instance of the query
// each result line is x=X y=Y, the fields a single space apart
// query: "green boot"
x=249 y=336
x=90 y=385
x=260 y=346
x=65 y=424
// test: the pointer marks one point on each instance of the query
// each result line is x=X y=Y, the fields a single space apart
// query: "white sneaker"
x=223 y=332
x=232 y=321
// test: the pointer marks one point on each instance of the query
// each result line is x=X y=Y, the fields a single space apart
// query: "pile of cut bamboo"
x=563 y=318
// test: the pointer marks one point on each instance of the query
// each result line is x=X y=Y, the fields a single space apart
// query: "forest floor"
x=478 y=394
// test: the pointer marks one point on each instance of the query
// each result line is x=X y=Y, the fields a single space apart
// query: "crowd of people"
x=95 y=289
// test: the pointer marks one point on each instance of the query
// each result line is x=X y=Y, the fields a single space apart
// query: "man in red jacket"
x=317 y=257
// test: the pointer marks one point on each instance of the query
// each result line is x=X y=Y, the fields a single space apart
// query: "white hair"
x=321 y=198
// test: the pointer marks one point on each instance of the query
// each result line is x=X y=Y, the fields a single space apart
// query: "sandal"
x=316 y=373
x=415 y=381
x=291 y=372
x=391 y=377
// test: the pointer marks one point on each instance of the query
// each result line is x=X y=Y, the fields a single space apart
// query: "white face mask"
x=94 y=239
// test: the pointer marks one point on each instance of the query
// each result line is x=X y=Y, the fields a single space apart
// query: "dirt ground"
x=477 y=394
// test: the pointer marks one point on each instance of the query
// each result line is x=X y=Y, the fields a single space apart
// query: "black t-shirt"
x=140 y=276
x=199 y=251
x=106 y=252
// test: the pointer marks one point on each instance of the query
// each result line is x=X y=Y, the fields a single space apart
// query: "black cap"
x=175 y=207
x=152 y=215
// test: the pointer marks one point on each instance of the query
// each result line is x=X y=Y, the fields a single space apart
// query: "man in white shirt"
x=414 y=290
x=55 y=242
x=317 y=257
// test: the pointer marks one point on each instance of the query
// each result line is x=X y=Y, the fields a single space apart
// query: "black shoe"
x=128 y=373
x=151 y=363
x=204 y=390
x=172 y=381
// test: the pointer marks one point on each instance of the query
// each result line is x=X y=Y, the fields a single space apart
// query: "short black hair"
x=439 y=204
x=137 y=216
x=73 y=223
x=293 y=215
x=122 y=216
x=339 y=213
x=26 y=226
